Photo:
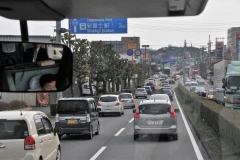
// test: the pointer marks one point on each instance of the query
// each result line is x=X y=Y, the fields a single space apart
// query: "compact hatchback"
x=110 y=104
x=77 y=116
x=155 y=117
x=127 y=100
x=28 y=135
x=141 y=92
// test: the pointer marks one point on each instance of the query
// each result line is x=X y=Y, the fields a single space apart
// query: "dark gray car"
x=77 y=116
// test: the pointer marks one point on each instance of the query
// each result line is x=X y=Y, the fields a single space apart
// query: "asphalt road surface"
x=115 y=142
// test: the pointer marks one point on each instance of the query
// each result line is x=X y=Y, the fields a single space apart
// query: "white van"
x=86 y=89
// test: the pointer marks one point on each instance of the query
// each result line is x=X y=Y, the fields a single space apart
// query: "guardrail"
x=224 y=121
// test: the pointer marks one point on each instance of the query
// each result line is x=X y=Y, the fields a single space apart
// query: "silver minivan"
x=77 y=116
x=155 y=117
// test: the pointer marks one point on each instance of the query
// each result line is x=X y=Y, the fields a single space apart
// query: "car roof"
x=61 y=9
x=125 y=93
x=154 y=102
x=17 y=114
x=111 y=95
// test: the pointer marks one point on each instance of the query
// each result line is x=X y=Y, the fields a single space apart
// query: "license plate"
x=155 y=122
x=125 y=101
x=72 y=121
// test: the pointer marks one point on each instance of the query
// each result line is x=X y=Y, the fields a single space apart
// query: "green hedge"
x=224 y=121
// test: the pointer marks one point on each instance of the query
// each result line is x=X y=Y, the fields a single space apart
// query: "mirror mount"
x=24 y=31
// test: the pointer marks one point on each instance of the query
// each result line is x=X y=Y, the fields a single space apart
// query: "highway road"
x=115 y=142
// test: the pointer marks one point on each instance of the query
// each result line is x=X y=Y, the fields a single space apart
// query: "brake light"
x=88 y=118
x=136 y=114
x=173 y=113
x=117 y=104
x=98 y=104
x=132 y=101
x=29 y=143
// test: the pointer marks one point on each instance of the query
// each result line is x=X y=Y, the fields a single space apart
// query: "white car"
x=110 y=104
x=28 y=135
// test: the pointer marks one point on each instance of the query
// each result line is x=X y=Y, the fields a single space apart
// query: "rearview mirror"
x=35 y=67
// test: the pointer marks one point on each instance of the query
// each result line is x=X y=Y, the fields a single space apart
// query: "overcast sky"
x=218 y=16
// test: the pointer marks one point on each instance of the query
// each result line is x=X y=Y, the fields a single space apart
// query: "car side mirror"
x=177 y=110
x=57 y=129
x=98 y=109
x=134 y=110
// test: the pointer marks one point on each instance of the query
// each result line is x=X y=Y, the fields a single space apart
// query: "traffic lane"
x=75 y=147
x=123 y=147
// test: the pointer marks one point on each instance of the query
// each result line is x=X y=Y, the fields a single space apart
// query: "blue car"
x=148 y=89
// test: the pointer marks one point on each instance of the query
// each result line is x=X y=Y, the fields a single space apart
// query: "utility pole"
x=145 y=55
x=184 y=57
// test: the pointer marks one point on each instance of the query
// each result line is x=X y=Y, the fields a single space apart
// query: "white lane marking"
x=131 y=120
x=195 y=146
x=98 y=153
x=119 y=132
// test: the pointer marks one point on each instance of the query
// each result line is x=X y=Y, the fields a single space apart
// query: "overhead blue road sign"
x=168 y=60
x=130 y=52
x=98 y=26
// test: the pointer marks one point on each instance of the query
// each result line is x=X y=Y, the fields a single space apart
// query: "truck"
x=226 y=75
x=167 y=70
x=193 y=72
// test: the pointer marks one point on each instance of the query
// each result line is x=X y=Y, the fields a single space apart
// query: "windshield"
x=108 y=99
x=159 y=97
x=193 y=84
x=72 y=106
x=125 y=96
x=154 y=109
x=210 y=92
x=113 y=51
x=234 y=81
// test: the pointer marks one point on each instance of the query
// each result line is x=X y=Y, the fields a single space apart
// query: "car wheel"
x=58 y=156
x=91 y=133
x=135 y=137
x=175 y=137
x=136 y=97
x=98 y=129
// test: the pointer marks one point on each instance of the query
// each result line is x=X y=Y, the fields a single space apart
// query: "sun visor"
x=28 y=10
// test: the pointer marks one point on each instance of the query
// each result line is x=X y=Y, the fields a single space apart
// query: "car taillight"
x=136 y=114
x=98 y=104
x=132 y=101
x=117 y=104
x=29 y=143
x=173 y=113
x=88 y=117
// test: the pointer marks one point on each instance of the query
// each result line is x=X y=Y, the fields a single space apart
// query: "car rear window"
x=154 y=109
x=167 y=91
x=108 y=99
x=125 y=96
x=140 y=89
x=72 y=106
x=13 y=129
x=193 y=84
